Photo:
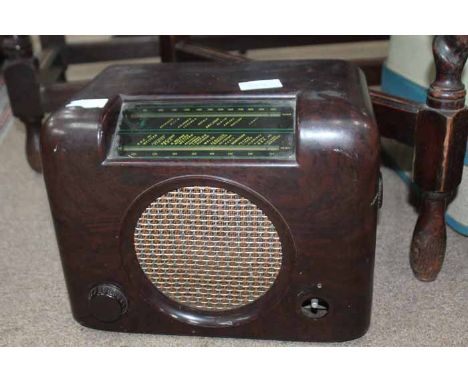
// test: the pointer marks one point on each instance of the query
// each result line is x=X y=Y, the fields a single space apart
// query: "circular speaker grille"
x=208 y=248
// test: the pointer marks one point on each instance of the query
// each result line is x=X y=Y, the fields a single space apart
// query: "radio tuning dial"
x=107 y=302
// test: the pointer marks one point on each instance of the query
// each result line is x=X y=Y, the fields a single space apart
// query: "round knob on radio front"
x=107 y=302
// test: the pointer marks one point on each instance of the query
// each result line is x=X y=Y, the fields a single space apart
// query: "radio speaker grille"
x=208 y=248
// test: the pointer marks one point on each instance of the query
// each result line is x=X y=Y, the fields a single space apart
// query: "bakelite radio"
x=218 y=199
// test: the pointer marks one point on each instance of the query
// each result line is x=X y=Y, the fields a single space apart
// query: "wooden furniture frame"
x=437 y=130
x=38 y=86
x=188 y=48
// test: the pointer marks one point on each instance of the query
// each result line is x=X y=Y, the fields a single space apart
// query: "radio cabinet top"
x=293 y=146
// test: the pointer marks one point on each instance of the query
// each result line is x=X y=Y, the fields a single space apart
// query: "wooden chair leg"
x=57 y=42
x=33 y=146
x=167 y=47
x=440 y=144
x=429 y=241
x=21 y=78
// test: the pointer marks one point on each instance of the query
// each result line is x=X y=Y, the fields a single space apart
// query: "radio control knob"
x=107 y=302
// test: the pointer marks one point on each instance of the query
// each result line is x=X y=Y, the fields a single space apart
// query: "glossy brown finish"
x=186 y=314
x=438 y=130
x=56 y=95
x=322 y=202
x=440 y=144
x=372 y=69
x=439 y=133
x=57 y=54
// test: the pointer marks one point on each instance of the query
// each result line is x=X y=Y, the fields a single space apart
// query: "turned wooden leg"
x=33 y=148
x=21 y=78
x=429 y=237
x=439 y=144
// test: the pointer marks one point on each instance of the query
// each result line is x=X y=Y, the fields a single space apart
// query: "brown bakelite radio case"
x=185 y=205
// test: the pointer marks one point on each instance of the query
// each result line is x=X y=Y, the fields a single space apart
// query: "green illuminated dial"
x=210 y=130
